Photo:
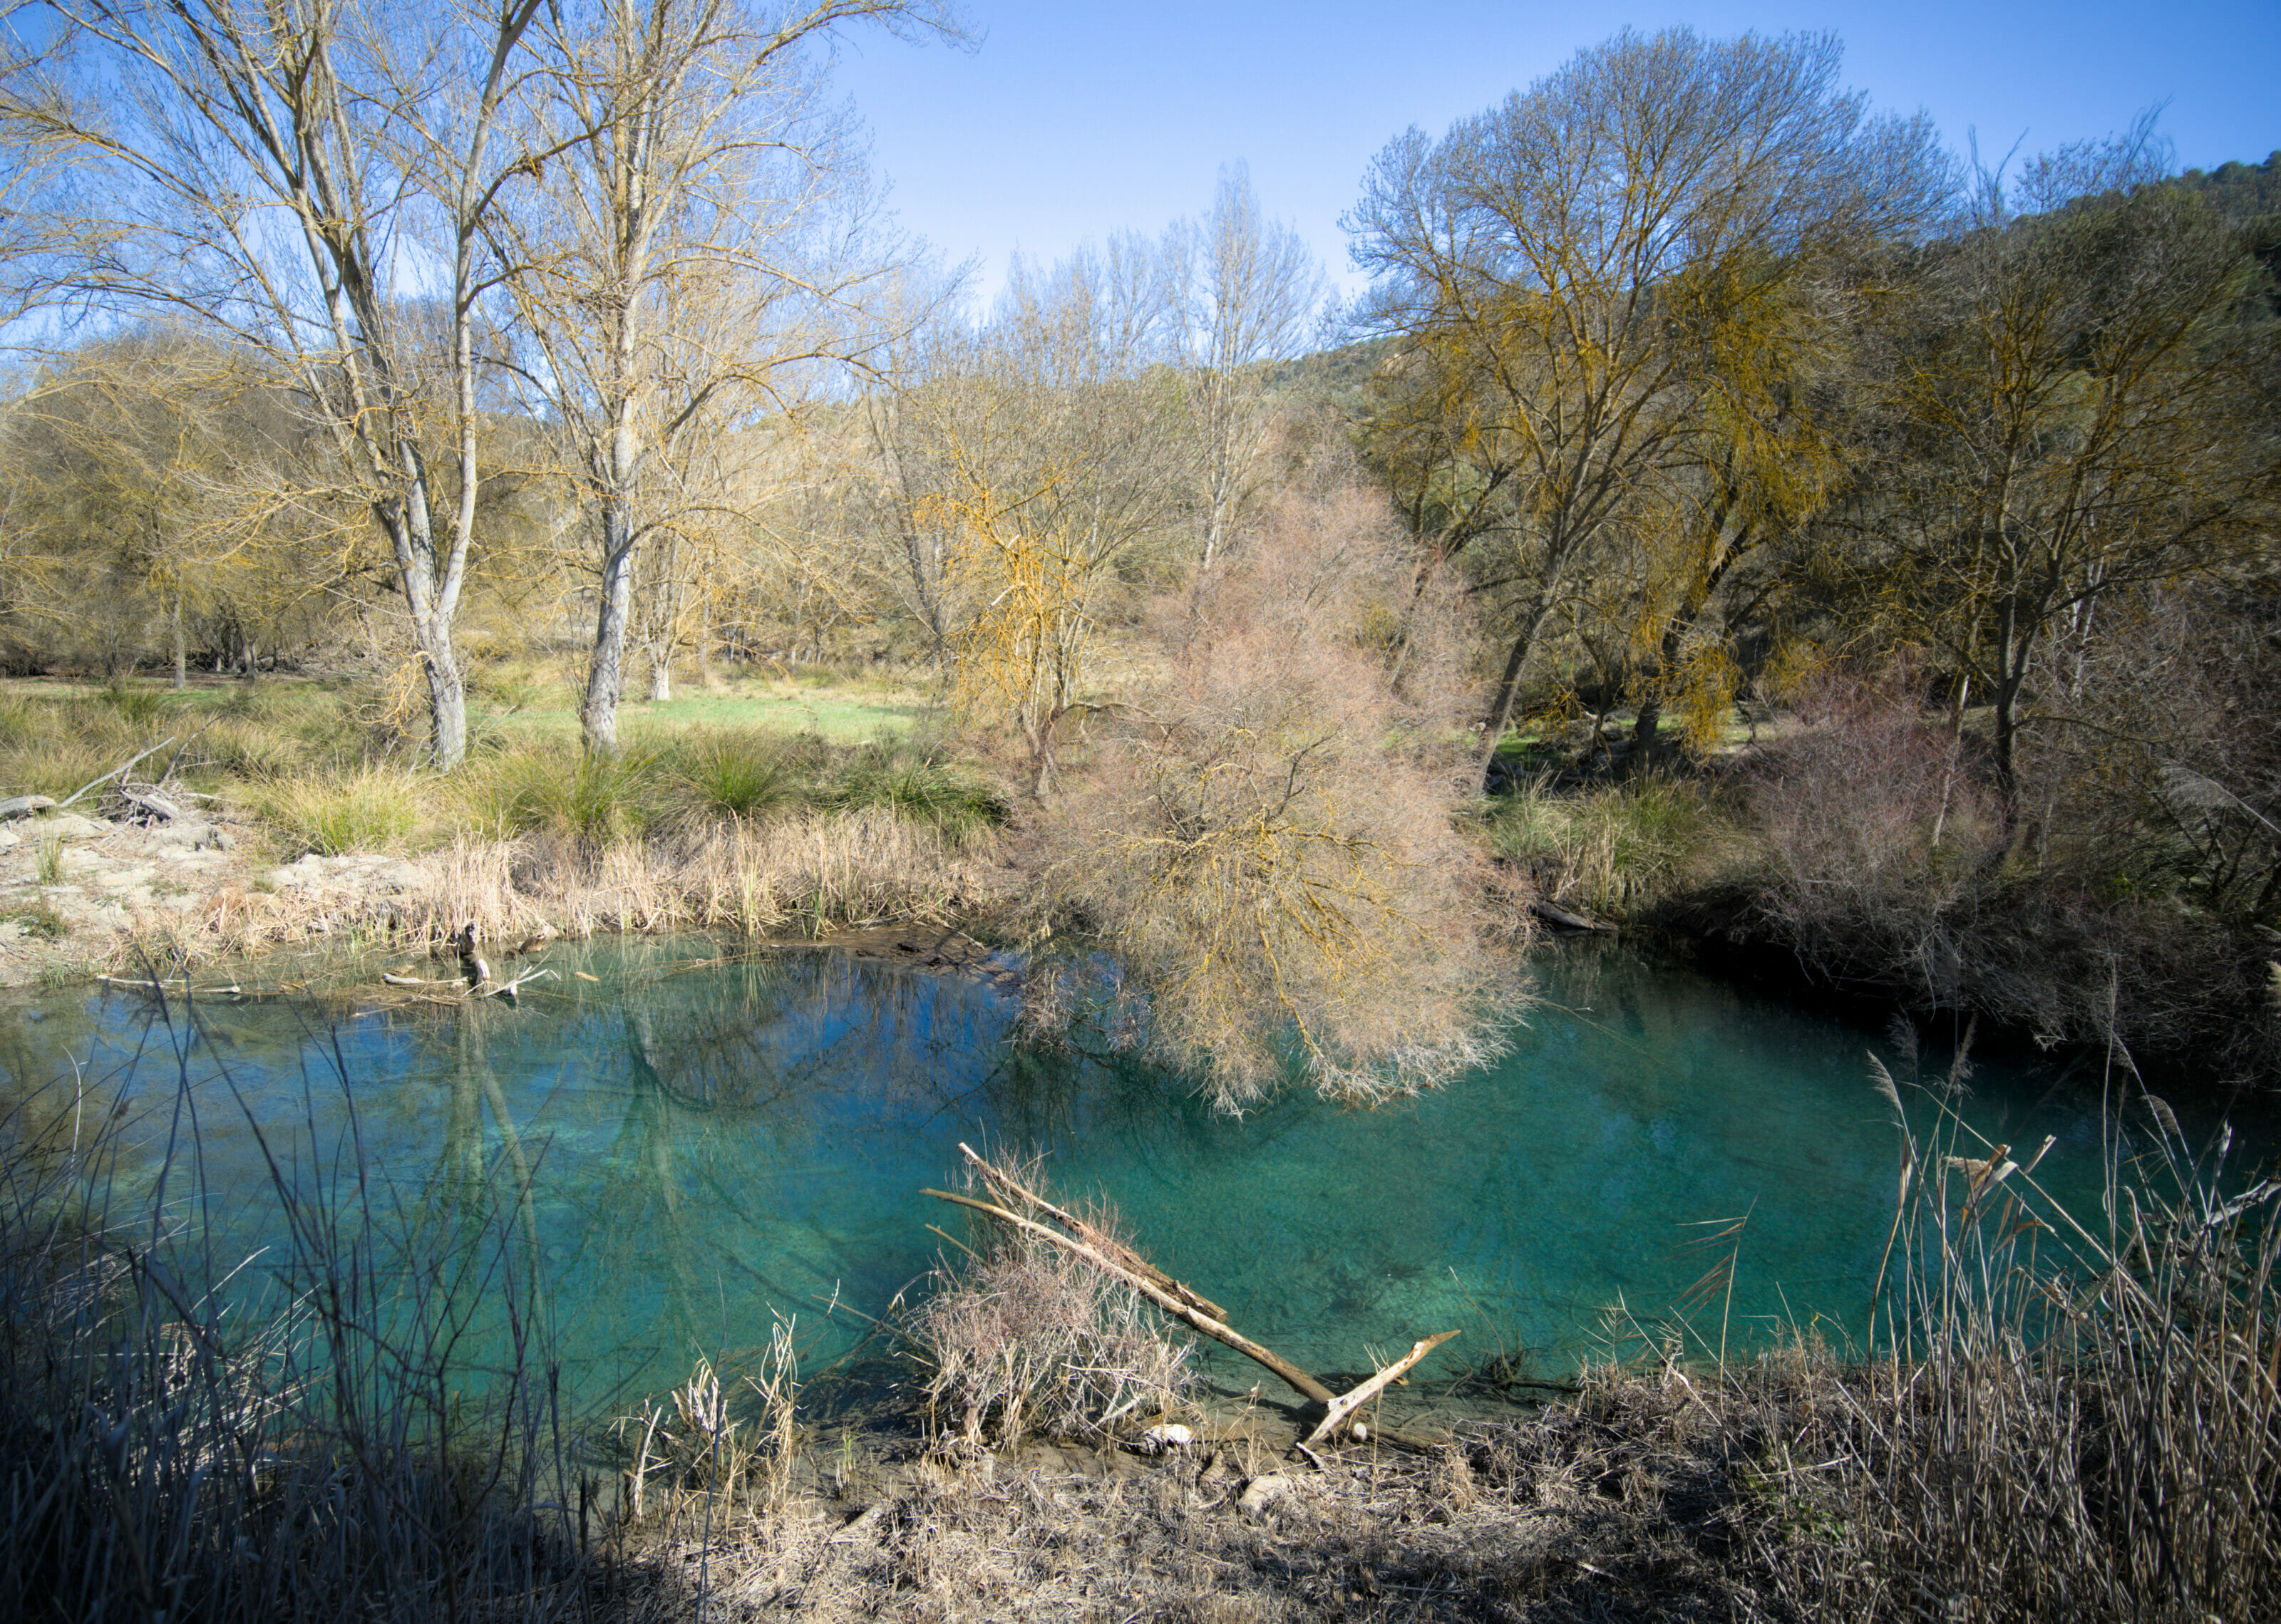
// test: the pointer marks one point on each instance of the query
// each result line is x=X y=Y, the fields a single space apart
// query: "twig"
x=954 y=1240
x=1004 y=1184
x=114 y=772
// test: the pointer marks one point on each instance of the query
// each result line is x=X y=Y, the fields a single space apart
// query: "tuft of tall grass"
x=54 y=746
x=704 y=1454
x=18 y=721
x=374 y=808
x=745 y=772
x=903 y=778
x=2070 y=1413
x=245 y=750
x=138 y=706
x=1613 y=848
x=556 y=790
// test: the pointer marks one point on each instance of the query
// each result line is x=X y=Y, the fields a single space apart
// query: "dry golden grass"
x=1018 y=1337
x=804 y=873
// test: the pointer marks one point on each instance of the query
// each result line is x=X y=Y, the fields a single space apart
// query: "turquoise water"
x=710 y=1140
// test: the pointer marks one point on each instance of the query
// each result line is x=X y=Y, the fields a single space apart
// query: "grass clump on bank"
x=1613 y=849
x=373 y=809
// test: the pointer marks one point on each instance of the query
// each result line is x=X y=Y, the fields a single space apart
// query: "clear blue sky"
x=1072 y=120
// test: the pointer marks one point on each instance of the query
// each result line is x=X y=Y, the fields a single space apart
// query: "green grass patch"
x=374 y=808
x=702 y=774
x=316 y=762
x=1609 y=848
x=40 y=919
x=517 y=701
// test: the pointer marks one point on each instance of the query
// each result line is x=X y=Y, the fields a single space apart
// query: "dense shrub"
x=1269 y=840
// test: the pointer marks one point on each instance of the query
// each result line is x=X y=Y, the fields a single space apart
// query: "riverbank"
x=80 y=897
x=1842 y=893
x=1626 y=1506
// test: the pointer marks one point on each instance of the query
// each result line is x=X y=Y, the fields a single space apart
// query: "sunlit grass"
x=1613 y=846
x=524 y=703
x=375 y=809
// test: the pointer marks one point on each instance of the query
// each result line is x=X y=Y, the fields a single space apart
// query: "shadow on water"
x=688 y=1141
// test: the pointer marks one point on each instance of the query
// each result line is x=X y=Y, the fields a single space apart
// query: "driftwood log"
x=152 y=984
x=1191 y=1308
x=1346 y=1403
x=459 y=987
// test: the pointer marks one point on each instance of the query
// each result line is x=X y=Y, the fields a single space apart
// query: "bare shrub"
x=1269 y=841
x=2154 y=812
x=1023 y=1337
x=2125 y=898
x=1876 y=833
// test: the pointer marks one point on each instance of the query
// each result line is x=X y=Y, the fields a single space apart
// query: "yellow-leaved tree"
x=1021 y=652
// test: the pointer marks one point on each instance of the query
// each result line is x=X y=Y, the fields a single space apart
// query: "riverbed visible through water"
x=693 y=1140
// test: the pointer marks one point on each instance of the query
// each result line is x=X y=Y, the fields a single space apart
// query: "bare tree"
x=1241 y=291
x=1536 y=254
x=1047 y=455
x=693 y=258
x=272 y=170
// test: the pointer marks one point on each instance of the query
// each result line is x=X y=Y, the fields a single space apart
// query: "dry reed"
x=173 y=1449
x=805 y=872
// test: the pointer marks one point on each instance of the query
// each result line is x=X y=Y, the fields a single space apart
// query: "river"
x=688 y=1140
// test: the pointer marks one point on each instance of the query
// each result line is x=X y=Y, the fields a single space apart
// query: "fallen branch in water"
x=1196 y=1318
x=152 y=984
x=1113 y=1258
x=1346 y=1403
x=484 y=988
x=1004 y=1182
